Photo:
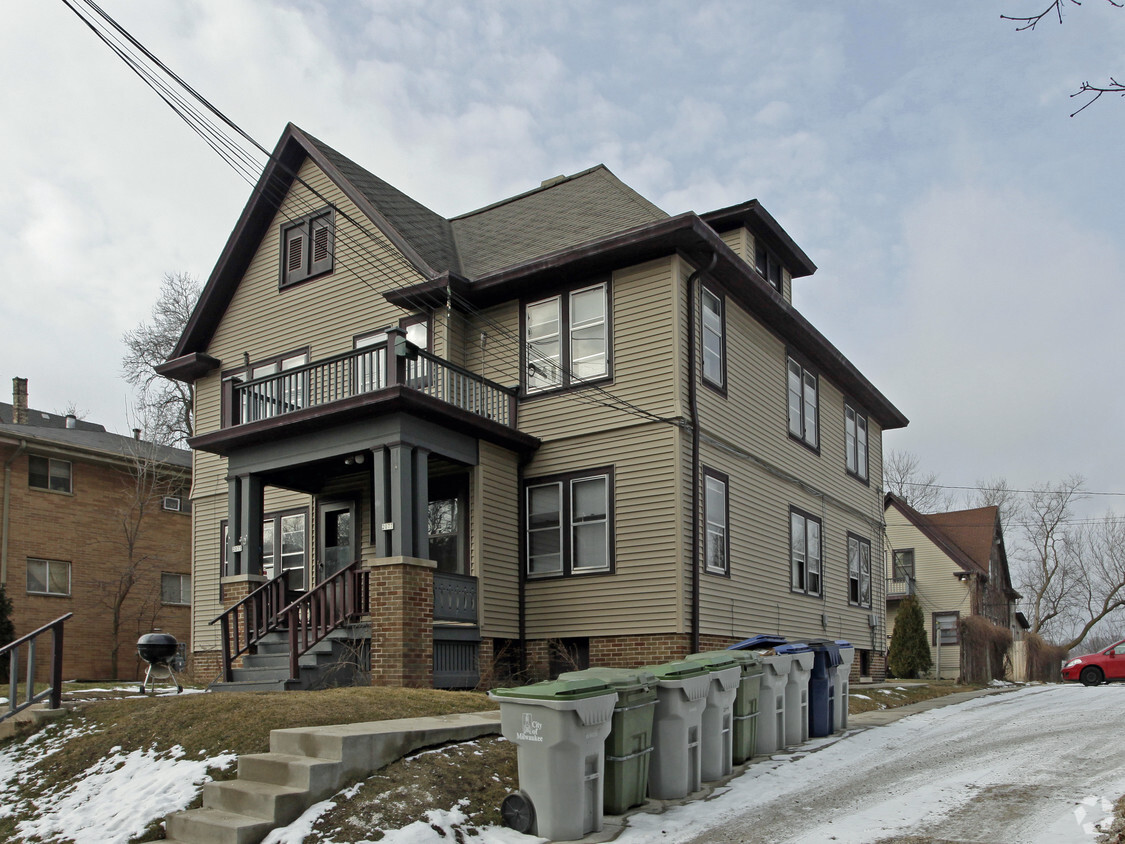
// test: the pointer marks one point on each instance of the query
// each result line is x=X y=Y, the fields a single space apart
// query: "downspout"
x=693 y=411
x=7 y=499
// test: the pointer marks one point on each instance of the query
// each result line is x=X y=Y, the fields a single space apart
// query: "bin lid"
x=762 y=641
x=714 y=660
x=750 y=661
x=844 y=643
x=574 y=688
x=619 y=679
x=678 y=670
x=792 y=648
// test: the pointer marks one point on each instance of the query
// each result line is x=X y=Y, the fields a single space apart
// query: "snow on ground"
x=114 y=800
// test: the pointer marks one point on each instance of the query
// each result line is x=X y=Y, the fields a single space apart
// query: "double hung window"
x=307 y=248
x=855 y=442
x=903 y=565
x=48 y=577
x=714 y=340
x=49 y=473
x=716 y=555
x=803 y=389
x=566 y=339
x=804 y=552
x=570 y=524
x=859 y=571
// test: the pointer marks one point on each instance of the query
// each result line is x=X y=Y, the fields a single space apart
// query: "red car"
x=1101 y=667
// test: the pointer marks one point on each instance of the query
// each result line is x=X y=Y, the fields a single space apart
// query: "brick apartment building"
x=72 y=495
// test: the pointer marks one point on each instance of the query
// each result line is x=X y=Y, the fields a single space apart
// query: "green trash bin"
x=559 y=729
x=746 y=705
x=629 y=744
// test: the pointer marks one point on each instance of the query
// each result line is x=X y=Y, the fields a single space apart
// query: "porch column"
x=380 y=501
x=402 y=621
x=400 y=492
x=421 y=504
x=244 y=513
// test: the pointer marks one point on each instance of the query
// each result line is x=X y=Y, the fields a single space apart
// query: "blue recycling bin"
x=761 y=642
x=822 y=687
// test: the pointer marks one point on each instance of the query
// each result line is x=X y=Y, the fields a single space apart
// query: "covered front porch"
x=386 y=458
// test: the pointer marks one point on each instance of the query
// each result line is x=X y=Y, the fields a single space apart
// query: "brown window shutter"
x=295 y=254
x=321 y=245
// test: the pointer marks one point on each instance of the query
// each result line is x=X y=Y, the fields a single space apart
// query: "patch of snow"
x=862 y=697
x=295 y=833
x=120 y=795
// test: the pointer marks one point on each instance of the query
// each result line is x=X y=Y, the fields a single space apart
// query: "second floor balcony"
x=390 y=376
x=900 y=586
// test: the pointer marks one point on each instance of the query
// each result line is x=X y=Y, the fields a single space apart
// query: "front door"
x=335 y=538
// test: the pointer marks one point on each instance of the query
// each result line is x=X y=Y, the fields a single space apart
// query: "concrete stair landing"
x=306 y=765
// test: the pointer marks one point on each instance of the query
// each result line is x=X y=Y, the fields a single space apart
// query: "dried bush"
x=984 y=649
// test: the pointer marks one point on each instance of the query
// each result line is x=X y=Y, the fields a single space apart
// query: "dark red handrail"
x=246 y=623
x=336 y=601
x=54 y=692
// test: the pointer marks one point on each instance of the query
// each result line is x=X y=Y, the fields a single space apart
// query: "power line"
x=1078 y=493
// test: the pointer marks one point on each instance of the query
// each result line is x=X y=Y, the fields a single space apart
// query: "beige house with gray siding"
x=956 y=566
x=598 y=433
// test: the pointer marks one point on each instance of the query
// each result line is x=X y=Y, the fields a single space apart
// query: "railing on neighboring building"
x=392 y=363
x=28 y=643
x=900 y=587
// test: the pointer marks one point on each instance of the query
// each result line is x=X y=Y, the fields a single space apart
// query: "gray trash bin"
x=797 y=693
x=681 y=694
x=771 y=702
x=559 y=729
x=843 y=682
x=717 y=737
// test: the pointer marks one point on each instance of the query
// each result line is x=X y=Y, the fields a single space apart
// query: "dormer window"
x=768 y=266
x=306 y=248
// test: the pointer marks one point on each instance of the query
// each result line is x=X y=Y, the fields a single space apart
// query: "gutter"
x=7 y=500
x=693 y=415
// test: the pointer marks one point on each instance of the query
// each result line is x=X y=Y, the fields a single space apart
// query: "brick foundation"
x=402 y=622
x=205 y=666
x=236 y=587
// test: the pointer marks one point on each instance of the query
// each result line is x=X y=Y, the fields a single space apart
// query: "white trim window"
x=48 y=577
x=804 y=552
x=175 y=589
x=713 y=338
x=554 y=360
x=569 y=524
x=855 y=445
x=859 y=571
x=716 y=555
x=803 y=404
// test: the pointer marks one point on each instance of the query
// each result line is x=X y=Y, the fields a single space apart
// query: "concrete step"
x=278 y=804
x=211 y=826
x=319 y=777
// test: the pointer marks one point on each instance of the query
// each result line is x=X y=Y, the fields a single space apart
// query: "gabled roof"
x=966 y=536
x=587 y=222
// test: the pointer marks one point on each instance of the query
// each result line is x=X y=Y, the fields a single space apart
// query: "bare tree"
x=167 y=403
x=903 y=477
x=1055 y=10
x=1098 y=557
x=136 y=581
x=995 y=492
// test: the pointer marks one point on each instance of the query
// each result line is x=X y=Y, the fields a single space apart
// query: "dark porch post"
x=421 y=504
x=380 y=501
x=402 y=489
x=244 y=511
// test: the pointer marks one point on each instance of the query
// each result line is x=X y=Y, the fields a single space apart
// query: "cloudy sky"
x=968 y=231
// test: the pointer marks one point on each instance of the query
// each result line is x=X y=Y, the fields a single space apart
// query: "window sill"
x=716 y=572
x=69 y=493
x=569 y=388
x=801 y=441
x=49 y=595
x=815 y=595
x=860 y=478
x=566 y=575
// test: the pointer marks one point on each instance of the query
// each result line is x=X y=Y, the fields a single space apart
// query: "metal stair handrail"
x=54 y=691
x=334 y=602
x=246 y=623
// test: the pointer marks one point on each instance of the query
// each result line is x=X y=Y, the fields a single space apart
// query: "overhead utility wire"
x=246 y=167
x=1077 y=492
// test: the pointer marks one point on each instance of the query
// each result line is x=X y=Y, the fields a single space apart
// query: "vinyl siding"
x=745 y=435
x=742 y=243
x=496 y=542
x=937 y=588
x=644 y=593
x=323 y=314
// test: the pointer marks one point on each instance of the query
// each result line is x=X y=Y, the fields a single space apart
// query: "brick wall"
x=402 y=629
x=84 y=529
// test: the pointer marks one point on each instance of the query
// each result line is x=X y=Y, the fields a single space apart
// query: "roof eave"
x=188 y=367
x=759 y=221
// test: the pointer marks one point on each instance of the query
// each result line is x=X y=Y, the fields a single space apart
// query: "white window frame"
x=551 y=362
x=855 y=441
x=567 y=525
x=803 y=387
x=716 y=520
x=48 y=566
x=859 y=571
x=805 y=567
x=713 y=321
x=183 y=588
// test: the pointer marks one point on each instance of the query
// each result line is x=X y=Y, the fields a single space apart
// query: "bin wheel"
x=517 y=812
